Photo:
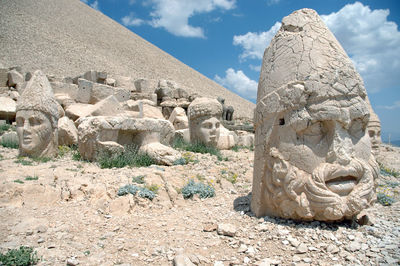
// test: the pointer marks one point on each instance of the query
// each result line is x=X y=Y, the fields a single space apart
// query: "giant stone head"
x=204 y=125
x=37 y=117
x=313 y=154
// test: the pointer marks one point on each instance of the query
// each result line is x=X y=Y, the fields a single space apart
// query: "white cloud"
x=173 y=15
x=131 y=20
x=273 y=2
x=256 y=68
x=372 y=42
x=390 y=107
x=255 y=43
x=95 y=5
x=239 y=83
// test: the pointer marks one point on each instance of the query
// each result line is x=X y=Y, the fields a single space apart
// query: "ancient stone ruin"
x=37 y=115
x=313 y=155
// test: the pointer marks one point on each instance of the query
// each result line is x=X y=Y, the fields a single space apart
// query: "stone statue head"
x=313 y=154
x=204 y=114
x=37 y=117
x=374 y=131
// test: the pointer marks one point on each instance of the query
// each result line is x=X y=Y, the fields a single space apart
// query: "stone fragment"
x=14 y=95
x=246 y=140
x=7 y=108
x=113 y=133
x=76 y=110
x=62 y=88
x=226 y=229
x=3 y=77
x=72 y=262
x=67 y=132
x=162 y=154
x=365 y=218
x=144 y=85
x=179 y=119
x=84 y=91
x=209 y=227
x=333 y=249
x=310 y=102
x=108 y=106
x=226 y=139
x=302 y=248
x=37 y=118
x=15 y=78
x=182 y=260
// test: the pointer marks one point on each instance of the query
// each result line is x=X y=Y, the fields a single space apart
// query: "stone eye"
x=313 y=133
x=357 y=128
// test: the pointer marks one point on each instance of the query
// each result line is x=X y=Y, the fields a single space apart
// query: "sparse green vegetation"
x=142 y=192
x=19 y=181
x=138 y=179
x=63 y=150
x=4 y=127
x=130 y=157
x=388 y=172
x=19 y=257
x=384 y=199
x=41 y=159
x=23 y=161
x=31 y=178
x=192 y=188
x=197 y=147
x=230 y=176
x=153 y=188
x=10 y=143
x=236 y=148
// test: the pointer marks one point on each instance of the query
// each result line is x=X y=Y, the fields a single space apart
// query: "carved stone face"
x=374 y=132
x=35 y=132
x=321 y=161
x=207 y=131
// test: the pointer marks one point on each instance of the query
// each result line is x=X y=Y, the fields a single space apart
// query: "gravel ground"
x=72 y=214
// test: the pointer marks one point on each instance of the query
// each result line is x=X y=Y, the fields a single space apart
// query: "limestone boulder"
x=162 y=154
x=3 y=77
x=96 y=133
x=15 y=78
x=67 y=132
x=246 y=140
x=77 y=110
x=179 y=119
x=107 y=106
x=7 y=108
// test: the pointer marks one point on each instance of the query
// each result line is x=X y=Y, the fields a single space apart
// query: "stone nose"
x=341 y=147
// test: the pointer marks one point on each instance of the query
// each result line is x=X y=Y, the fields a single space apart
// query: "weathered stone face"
x=374 y=131
x=312 y=151
x=37 y=118
x=35 y=134
x=203 y=121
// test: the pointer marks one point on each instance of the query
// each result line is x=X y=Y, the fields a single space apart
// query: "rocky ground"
x=69 y=212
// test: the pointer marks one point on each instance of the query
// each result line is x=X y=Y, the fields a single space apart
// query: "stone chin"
x=330 y=193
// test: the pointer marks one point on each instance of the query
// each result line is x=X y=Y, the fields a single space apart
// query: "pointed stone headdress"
x=38 y=95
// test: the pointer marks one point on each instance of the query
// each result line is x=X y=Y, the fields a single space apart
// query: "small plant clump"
x=63 y=150
x=138 y=179
x=388 y=172
x=130 y=157
x=384 y=199
x=132 y=189
x=19 y=257
x=30 y=178
x=236 y=148
x=10 y=143
x=192 y=188
x=23 y=161
x=19 y=181
x=197 y=147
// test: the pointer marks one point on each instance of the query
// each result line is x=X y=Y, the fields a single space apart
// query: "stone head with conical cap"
x=37 y=117
x=312 y=156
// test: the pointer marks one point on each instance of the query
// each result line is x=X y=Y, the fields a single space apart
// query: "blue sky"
x=225 y=39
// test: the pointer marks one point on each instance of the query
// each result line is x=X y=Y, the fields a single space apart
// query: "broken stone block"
x=107 y=106
x=84 y=91
x=90 y=75
x=3 y=77
x=76 y=110
x=67 y=132
x=7 y=108
x=100 y=92
x=122 y=94
x=14 y=78
x=179 y=119
x=13 y=95
x=62 y=88
x=101 y=77
x=96 y=133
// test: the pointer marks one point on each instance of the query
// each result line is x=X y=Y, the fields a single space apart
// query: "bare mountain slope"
x=67 y=38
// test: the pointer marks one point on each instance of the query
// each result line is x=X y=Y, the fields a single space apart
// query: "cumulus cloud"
x=131 y=20
x=372 y=42
x=396 y=105
x=254 y=43
x=238 y=82
x=173 y=15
